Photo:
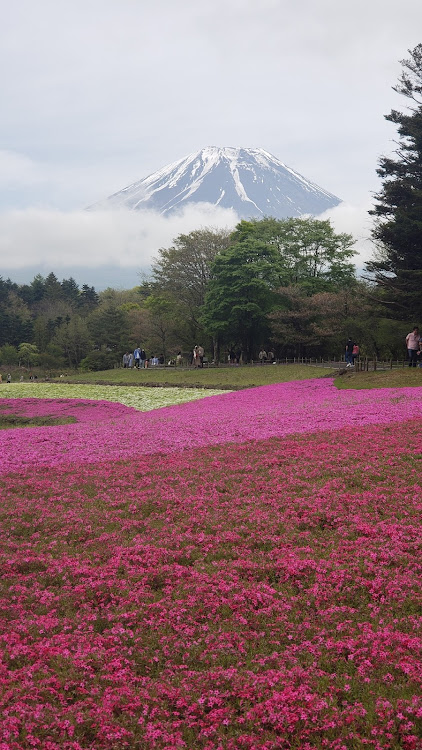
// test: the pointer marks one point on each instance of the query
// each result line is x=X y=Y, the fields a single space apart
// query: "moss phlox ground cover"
x=255 y=413
x=255 y=584
x=139 y=398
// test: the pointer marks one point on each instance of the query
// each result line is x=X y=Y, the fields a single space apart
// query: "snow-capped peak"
x=249 y=180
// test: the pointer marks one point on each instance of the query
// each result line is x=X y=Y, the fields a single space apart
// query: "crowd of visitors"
x=138 y=357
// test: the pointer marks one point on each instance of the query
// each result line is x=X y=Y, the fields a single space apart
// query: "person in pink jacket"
x=412 y=343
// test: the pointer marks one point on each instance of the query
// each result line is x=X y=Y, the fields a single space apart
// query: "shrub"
x=8 y=355
x=98 y=360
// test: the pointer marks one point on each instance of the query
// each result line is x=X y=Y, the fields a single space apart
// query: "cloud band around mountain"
x=125 y=239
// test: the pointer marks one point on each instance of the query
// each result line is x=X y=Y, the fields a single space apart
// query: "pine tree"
x=397 y=267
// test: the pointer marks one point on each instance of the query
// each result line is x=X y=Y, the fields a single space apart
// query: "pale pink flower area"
x=239 y=573
x=253 y=414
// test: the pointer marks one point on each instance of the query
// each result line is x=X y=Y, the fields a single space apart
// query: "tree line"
x=288 y=285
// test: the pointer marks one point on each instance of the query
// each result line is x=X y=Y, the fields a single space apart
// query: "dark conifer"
x=397 y=267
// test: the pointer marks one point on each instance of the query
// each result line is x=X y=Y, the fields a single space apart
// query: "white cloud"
x=355 y=220
x=126 y=239
x=92 y=239
x=17 y=170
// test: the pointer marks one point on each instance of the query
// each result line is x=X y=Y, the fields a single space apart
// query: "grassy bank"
x=403 y=378
x=234 y=378
x=231 y=378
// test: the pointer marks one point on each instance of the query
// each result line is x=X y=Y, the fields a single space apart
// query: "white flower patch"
x=142 y=399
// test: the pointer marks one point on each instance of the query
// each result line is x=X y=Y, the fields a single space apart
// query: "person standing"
x=349 y=352
x=355 y=353
x=137 y=357
x=412 y=343
x=201 y=355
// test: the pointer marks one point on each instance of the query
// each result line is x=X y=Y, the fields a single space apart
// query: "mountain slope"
x=251 y=181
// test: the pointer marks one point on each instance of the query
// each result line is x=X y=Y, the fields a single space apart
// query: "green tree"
x=52 y=357
x=181 y=273
x=160 y=324
x=240 y=294
x=5 y=288
x=73 y=340
x=53 y=288
x=70 y=291
x=309 y=252
x=108 y=326
x=319 y=324
x=15 y=316
x=98 y=360
x=88 y=298
x=265 y=255
x=397 y=263
x=28 y=354
x=9 y=355
x=33 y=292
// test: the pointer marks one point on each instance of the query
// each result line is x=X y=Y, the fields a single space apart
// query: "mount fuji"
x=250 y=181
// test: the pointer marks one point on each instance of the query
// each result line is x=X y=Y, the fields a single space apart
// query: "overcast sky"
x=97 y=94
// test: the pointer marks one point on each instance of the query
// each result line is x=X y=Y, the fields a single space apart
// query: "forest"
x=284 y=285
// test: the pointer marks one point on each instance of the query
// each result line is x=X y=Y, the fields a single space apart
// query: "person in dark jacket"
x=349 y=352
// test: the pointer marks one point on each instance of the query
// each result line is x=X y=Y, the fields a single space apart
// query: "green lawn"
x=215 y=377
x=233 y=378
x=401 y=378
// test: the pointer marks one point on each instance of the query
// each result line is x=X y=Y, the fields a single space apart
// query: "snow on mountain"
x=249 y=180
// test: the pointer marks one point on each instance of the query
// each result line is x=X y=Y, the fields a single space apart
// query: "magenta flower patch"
x=258 y=413
x=236 y=573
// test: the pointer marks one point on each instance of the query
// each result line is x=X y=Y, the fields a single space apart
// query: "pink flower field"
x=120 y=432
x=238 y=572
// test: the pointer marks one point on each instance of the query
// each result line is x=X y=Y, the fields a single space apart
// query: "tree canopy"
x=309 y=251
x=182 y=272
x=263 y=256
x=397 y=265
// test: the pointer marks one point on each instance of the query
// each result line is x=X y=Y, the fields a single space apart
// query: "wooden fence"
x=367 y=364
